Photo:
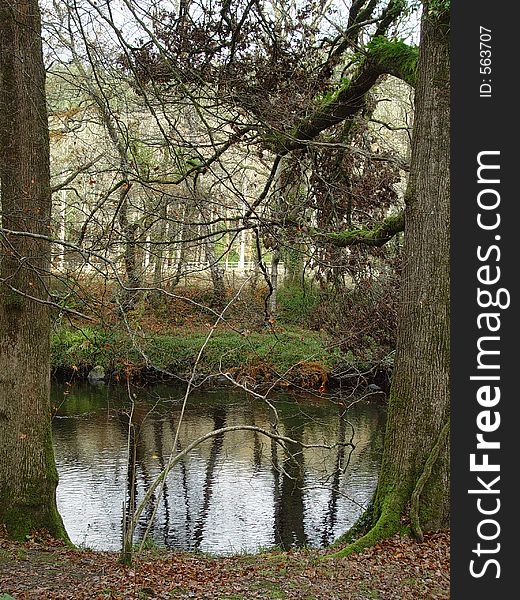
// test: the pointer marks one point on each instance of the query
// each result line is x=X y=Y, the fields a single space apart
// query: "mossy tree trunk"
x=416 y=439
x=28 y=475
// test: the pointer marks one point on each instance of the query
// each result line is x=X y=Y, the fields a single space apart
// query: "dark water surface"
x=235 y=492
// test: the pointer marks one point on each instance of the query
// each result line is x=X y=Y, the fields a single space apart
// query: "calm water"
x=235 y=492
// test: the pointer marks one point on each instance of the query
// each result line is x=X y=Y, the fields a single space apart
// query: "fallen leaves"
x=395 y=569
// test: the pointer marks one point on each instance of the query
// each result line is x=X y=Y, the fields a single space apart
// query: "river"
x=236 y=492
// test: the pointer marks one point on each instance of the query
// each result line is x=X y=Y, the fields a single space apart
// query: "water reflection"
x=237 y=491
x=288 y=498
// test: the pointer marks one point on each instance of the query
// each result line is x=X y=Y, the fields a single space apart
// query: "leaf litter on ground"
x=395 y=569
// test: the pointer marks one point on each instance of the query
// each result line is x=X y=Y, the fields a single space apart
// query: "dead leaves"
x=395 y=569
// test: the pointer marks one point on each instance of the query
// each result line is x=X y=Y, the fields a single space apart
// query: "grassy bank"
x=294 y=356
x=163 y=334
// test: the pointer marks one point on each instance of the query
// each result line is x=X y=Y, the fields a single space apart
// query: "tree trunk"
x=159 y=250
x=273 y=298
x=414 y=480
x=28 y=476
x=128 y=230
x=130 y=294
x=216 y=271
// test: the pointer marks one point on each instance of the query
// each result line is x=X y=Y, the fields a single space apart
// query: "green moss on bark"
x=394 y=57
x=388 y=523
x=37 y=509
x=22 y=519
x=375 y=236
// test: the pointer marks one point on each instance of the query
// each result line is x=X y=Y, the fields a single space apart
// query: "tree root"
x=388 y=523
x=421 y=482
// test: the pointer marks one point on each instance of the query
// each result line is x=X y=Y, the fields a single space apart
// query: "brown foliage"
x=396 y=569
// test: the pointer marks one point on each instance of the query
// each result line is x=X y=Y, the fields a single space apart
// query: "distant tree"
x=28 y=476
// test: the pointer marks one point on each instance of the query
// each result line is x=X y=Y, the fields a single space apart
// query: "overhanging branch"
x=374 y=236
x=382 y=57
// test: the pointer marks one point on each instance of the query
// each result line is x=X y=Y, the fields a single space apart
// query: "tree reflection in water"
x=228 y=494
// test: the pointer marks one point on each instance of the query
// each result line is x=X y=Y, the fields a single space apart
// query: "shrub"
x=297 y=303
x=363 y=319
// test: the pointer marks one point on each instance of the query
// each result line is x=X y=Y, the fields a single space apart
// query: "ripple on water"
x=234 y=493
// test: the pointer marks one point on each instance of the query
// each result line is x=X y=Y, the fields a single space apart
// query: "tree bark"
x=273 y=298
x=159 y=251
x=216 y=271
x=419 y=402
x=130 y=294
x=28 y=476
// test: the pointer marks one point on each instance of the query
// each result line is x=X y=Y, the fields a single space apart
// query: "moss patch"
x=395 y=57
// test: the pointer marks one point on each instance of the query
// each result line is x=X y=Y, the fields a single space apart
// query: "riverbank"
x=396 y=569
x=283 y=357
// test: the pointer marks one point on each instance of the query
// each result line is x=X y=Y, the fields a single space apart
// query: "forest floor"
x=396 y=569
